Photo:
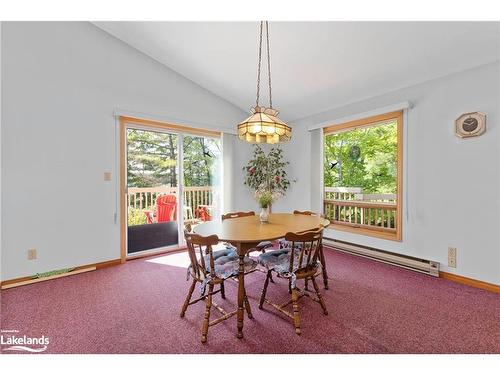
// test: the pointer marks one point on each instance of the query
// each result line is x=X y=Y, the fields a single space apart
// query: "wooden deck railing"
x=349 y=206
x=145 y=198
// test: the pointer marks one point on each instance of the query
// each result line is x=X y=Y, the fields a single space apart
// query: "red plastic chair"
x=166 y=208
x=203 y=214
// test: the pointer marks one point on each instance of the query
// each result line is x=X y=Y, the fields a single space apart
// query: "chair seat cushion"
x=279 y=261
x=264 y=245
x=271 y=259
x=228 y=252
x=226 y=263
x=228 y=266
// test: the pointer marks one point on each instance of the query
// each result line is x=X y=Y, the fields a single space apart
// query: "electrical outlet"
x=31 y=254
x=452 y=257
x=107 y=176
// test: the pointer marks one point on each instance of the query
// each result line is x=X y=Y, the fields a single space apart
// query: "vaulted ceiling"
x=315 y=65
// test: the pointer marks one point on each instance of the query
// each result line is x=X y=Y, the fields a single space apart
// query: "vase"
x=264 y=214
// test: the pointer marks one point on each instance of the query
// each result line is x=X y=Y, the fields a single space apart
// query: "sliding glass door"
x=152 y=190
x=201 y=178
x=172 y=178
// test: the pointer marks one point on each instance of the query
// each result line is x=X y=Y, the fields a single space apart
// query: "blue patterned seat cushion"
x=227 y=252
x=278 y=260
x=264 y=245
x=226 y=263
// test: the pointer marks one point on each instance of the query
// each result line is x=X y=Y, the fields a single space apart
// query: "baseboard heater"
x=428 y=267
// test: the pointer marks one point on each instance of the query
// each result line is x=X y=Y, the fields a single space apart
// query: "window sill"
x=391 y=236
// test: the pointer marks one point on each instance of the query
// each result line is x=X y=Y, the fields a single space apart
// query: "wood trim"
x=371 y=121
x=47 y=278
x=361 y=204
x=123 y=202
x=98 y=266
x=106 y=264
x=345 y=227
x=470 y=282
x=361 y=123
x=399 y=202
x=178 y=121
x=166 y=126
x=374 y=112
x=364 y=226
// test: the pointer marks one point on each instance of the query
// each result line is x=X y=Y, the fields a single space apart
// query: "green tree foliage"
x=365 y=157
x=202 y=158
x=152 y=159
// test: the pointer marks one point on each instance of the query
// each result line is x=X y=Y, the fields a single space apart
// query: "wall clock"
x=470 y=124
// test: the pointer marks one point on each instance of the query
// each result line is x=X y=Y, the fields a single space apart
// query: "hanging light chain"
x=260 y=59
x=264 y=126
x=269 y=67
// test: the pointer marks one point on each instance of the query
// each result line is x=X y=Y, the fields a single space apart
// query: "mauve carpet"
x=373 y=308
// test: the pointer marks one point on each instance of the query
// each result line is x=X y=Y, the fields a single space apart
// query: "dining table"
x=245 y=233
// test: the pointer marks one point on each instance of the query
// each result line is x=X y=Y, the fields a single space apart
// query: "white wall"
x=61 y=83
x=452 y=185
x=298 y=152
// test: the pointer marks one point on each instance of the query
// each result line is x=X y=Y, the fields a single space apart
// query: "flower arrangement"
x=266 y=175
x=265 y=199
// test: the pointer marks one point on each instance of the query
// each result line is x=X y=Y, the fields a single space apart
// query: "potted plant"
x=266 y=175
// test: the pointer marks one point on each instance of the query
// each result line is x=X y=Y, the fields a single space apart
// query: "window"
x=362 y=175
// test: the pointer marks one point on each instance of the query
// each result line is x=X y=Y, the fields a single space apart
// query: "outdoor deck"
x=144 y=199
x=347 y=206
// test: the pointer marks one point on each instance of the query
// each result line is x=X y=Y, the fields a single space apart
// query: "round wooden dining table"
x=245 y=233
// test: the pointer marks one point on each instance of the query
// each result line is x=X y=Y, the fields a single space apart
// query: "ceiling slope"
x=315 y=65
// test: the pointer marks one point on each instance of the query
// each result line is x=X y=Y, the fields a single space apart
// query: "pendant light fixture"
x=264 y=125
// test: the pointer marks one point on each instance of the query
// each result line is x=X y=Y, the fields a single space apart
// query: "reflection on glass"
x=202 y=178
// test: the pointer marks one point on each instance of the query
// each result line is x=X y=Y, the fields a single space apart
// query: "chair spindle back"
x=307 y=245
x=202 y=245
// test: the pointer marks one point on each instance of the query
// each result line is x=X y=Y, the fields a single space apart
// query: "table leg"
x=241 y=289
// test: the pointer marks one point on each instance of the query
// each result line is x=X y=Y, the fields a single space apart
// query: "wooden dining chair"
x=262 y=246
x=300 y=262
x=286 y=244
x=211 y=268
